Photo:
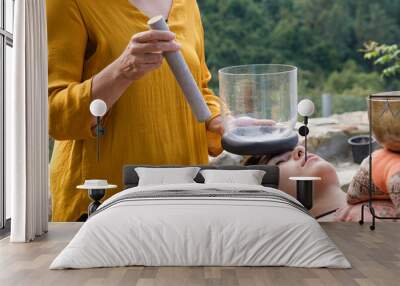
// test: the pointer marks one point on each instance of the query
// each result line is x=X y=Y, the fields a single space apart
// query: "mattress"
x=201 y=225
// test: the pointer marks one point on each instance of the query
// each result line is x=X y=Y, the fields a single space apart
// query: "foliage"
x=352 y=80
x=384 y=55
x=320 y=37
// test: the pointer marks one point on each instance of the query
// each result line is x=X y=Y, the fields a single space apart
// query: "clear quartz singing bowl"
x=259 y=108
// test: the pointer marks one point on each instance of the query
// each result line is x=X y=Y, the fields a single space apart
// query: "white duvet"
x=200 y=231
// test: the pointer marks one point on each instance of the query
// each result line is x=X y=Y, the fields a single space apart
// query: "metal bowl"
x=385 y=118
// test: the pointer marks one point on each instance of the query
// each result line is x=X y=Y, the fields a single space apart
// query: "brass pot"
x=385 y=112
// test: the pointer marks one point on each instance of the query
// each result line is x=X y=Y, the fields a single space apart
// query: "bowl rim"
x=290 y=69
x=386 y=95
x=350 y=140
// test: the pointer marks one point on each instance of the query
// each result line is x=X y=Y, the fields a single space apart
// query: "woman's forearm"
x=108 y=85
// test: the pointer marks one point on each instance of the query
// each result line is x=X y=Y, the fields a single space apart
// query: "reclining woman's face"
x=293 y=164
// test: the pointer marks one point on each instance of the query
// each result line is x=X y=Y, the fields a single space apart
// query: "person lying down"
x=328 y=197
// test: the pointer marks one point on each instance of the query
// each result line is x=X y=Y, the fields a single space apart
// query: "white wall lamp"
x=305 y=108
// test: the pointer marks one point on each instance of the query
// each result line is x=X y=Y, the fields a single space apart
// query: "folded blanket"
x=205 y=193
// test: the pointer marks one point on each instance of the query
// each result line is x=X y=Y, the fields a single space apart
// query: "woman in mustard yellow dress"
x=103 y=49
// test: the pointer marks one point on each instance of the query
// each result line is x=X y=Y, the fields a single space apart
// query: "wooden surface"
x=375 y=257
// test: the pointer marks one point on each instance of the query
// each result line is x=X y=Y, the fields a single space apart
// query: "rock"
x=346 y=172
x=328 y=136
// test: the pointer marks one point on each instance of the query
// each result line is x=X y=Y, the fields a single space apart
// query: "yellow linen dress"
x=151 y=123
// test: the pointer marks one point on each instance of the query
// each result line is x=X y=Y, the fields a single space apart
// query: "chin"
x=324 y=170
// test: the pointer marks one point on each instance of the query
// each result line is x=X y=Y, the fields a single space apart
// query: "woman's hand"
x=144 y=53
x=216 y=125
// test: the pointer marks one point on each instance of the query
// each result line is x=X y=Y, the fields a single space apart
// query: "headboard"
x=271 y=178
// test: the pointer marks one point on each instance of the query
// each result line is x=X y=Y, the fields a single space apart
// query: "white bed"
x=184 y=230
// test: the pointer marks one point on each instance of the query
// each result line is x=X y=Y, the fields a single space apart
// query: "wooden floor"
x=375 y=257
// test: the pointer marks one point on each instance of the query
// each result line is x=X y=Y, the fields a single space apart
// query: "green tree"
x=352 y=80
x=322 y=38
x=387 y=56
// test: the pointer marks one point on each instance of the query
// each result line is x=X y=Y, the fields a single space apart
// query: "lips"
x=310 y=158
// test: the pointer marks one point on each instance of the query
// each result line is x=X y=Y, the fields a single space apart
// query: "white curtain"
x=26 y=124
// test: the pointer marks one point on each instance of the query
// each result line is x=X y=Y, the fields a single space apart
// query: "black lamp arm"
x=303 y=131
x=99 y=132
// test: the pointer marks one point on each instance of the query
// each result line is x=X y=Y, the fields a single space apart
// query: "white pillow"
x=163 y=176
x=248 y=177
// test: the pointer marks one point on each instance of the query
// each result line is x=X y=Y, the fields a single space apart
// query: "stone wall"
x=328 y=136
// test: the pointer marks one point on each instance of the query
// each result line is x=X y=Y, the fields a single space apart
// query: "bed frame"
x=271 y=178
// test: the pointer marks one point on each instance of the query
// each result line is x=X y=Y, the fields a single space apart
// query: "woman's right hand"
x=144 y=53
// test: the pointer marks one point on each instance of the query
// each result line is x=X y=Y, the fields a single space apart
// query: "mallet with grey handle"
x=183 y=75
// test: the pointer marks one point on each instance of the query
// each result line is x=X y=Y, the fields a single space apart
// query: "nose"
x=298 y=152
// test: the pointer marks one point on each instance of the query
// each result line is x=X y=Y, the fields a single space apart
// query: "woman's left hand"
x=215 y=125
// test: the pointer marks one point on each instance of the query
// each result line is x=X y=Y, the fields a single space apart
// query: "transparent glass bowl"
x=252 y=97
